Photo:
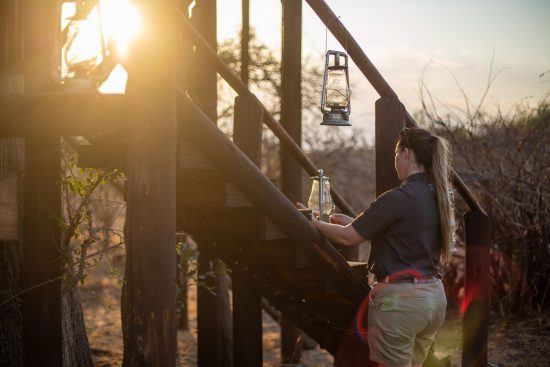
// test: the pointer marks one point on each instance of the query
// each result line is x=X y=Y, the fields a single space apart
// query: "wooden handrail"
x=376 y=79
x=236 y=83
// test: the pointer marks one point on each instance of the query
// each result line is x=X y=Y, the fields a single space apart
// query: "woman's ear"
x=407 y=153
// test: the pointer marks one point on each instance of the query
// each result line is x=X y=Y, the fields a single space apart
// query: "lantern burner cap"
x=335 y=118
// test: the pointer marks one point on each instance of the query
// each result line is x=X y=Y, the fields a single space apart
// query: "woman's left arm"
x=343 y=235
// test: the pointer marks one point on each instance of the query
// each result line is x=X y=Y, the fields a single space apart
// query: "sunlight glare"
x=121 y=23
x=116 y=82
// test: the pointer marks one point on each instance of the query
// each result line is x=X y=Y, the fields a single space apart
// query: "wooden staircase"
x=216 y=212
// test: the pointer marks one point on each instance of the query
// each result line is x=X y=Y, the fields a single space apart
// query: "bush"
x=505 y=160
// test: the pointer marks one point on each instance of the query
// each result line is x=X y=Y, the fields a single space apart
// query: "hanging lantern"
x=83 y=46
x=320 y=201
x=335 y=98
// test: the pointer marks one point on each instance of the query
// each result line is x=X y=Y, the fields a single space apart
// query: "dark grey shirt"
x=403 y=226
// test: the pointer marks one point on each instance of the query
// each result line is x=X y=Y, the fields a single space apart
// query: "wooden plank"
x=209 y=188
x=389 y=121
x=247 y=305
x=475 y=324
x=206 y=188
x=105 y=154
x=149 y=291
x=61 y=114
x=9 y=207
x=235 y=198
x=246 y=223
x=190 y=158
x=110 y=152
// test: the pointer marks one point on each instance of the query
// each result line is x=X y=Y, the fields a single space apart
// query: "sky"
x=409 y=41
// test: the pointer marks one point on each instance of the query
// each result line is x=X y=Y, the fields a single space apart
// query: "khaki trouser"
x=403 y=320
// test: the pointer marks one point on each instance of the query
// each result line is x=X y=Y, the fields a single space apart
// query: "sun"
x=121 y=23
x=110 y=25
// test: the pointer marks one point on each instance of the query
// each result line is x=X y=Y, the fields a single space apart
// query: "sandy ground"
x=521 y=342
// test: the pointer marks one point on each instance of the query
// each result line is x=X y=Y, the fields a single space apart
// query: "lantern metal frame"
x=323 y=196
x=77 y=83
x=335 y=116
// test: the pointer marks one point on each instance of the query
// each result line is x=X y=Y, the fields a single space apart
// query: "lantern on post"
x=335 y=98
x=82 y=45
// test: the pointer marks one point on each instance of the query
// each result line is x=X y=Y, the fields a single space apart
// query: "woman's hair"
x=434 y=153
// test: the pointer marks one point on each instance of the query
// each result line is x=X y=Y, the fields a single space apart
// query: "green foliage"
x=79 y=225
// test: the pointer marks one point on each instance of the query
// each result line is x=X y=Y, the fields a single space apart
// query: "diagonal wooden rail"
x=376 y=79
x=236 y=83
x=213 y=143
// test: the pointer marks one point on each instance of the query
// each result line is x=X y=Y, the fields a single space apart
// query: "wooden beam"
x=291 y=119
x=268 y=199
x=477 y=290
x=149 y=291
x=247 y=305
x=389 y=121
x=41 y=264
x=58 y=114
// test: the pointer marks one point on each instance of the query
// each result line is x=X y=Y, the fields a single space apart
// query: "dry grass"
x=517 y=342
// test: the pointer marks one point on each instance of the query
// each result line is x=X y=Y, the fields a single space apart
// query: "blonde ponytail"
x=441 y=178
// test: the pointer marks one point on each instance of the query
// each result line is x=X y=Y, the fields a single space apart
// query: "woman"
x=411 y=229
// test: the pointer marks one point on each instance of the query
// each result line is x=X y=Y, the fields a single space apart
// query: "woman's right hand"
x=341 y=219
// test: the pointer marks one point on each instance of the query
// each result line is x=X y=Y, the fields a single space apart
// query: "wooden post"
x=148 y=309
x=477 y=290
x=41 y=265
x=247 y=305
x=389 y=121
x=291 y=119
x=209 y=321
x=245 y=40
x=214 y=338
